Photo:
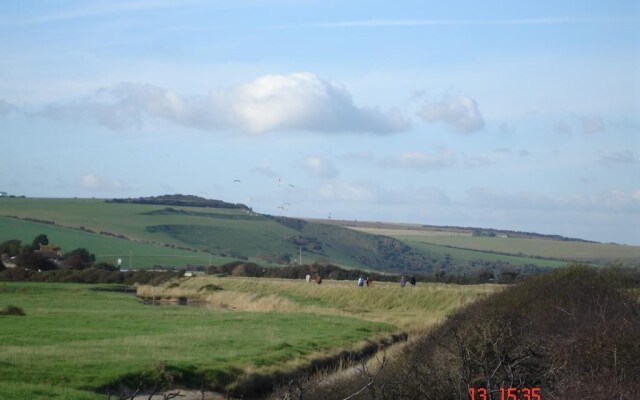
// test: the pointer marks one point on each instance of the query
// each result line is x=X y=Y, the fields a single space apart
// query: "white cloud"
x=318 y=167
x=459 y=113
x=617 y=157
x=420 y=160
x=446 y=158
x=266 y=171
x=94 y=182
x=348 y=191
x=613 y=200
x=299 y=101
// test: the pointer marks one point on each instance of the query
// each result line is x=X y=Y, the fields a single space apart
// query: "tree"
x=38 y=240
x=11 y=247
x=79 y=258
x=34 y=261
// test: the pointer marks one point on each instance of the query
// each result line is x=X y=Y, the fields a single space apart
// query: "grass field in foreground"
x=74 y=339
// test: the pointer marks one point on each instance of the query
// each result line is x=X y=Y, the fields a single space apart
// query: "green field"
x=563 y=250
x=537 y=250
x=107 y=249
x=472 y=255
x=74 y=340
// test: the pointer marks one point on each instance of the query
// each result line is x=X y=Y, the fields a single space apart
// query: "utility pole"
x=300 y=255
x=130 y=256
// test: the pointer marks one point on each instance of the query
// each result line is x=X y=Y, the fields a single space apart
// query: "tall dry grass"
x=409 y=308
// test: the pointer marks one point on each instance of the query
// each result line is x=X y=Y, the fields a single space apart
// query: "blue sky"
x=499 y=115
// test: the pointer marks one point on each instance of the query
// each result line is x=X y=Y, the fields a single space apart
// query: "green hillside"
x=514 y=247
x=146 y=232
x=107 y=249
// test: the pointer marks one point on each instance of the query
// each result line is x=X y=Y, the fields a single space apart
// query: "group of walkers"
x=362 y=281
x=412 y=281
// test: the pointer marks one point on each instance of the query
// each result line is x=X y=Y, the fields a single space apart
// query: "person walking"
x=412 y=280
x=403 y=281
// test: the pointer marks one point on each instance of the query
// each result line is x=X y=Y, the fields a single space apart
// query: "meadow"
x=75 y=341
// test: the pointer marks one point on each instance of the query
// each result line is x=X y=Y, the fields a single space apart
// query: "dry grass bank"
x=409 y=308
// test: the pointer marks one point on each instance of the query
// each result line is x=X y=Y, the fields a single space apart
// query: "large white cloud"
x=299 y=101
x=459 y=113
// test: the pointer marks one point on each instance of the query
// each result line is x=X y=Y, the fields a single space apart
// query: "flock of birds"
x=283 y=207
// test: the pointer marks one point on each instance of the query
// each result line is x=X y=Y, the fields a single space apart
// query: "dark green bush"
x=12 y=310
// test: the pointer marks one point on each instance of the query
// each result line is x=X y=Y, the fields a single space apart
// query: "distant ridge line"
x=179 y=200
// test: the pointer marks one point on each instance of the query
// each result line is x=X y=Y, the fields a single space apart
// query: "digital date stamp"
x=510 y=393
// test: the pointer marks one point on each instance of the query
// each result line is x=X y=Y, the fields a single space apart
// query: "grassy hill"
x=491 y=244
x=188 y=230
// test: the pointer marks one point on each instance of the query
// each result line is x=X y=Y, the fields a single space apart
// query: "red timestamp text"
x=510 y=393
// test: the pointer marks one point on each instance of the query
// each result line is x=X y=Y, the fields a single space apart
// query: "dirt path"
x=185 y=394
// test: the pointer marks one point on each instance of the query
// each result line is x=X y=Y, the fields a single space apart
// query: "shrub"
x=35 y=261
x=573 y=333
x=12 y=310
x=210 y=288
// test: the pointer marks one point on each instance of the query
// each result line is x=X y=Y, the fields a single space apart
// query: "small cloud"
x=591 y=125
x=348 y=191
x=507 y=151
x=562 y=128
x=6 y=108
x=362 y=156
x=587 y=180
x=266 y=171
x=614 y=199
x=506 y=129
x=318 y=167
x=422 y=161
x=436 y=161
x=459 y=113
x=617 y=157
x=94 y=182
